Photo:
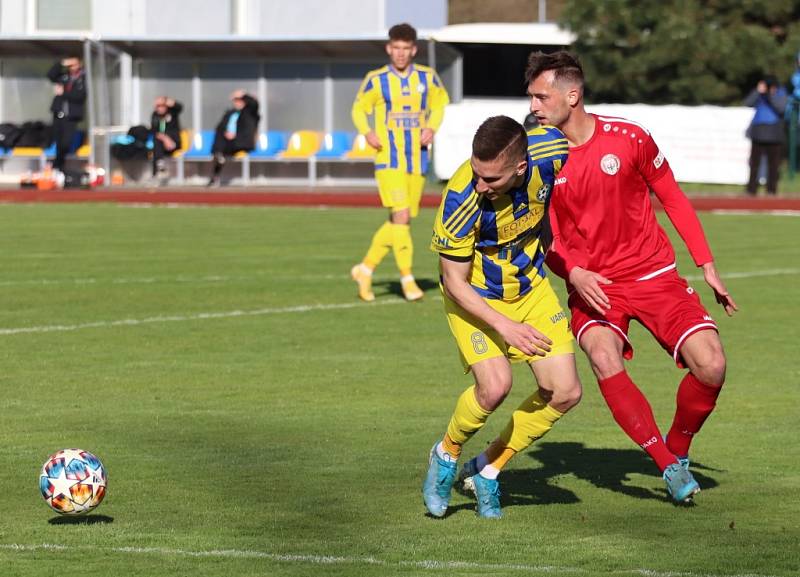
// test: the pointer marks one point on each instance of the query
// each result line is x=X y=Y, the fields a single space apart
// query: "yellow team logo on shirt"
x=514 y=228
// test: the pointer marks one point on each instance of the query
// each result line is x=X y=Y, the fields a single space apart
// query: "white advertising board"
x=702 y=143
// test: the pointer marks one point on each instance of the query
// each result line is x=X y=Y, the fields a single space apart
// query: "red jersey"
x=601 y=213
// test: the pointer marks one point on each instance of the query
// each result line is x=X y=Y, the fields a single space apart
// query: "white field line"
x=737 y=212
x=749 y=274
x=286 y=310
x=197 y=317
x=339 y=560
x=324 y=277
x=182 y=279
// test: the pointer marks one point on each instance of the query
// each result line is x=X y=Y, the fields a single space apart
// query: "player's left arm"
x=439 y=99
x=656 y=171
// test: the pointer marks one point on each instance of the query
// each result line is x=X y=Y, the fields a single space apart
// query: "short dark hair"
x=564 y=65
x=500 y=136
x=404 y=32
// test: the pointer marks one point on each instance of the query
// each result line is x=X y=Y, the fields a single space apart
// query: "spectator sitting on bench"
x=165 y=128
x=235 y=132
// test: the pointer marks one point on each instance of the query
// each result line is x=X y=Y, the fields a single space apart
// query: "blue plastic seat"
x=336 y=144
x=200 y=145
x=271 y=143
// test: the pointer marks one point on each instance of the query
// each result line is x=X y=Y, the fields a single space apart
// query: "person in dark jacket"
x=235 y=132
x=767 y=131
x=69 y=86
x=165 y=128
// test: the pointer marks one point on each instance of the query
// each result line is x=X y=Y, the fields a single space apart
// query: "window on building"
x=58 y=15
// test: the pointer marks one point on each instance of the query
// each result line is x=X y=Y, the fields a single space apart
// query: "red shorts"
x=666 y=305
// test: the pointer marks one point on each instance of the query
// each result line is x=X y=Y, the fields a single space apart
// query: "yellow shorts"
x=539 y=308
x=400 y=190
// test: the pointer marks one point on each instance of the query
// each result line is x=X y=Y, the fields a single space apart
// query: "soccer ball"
x=73 y=482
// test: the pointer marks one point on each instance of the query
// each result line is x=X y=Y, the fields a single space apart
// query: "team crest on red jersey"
x=610 y=164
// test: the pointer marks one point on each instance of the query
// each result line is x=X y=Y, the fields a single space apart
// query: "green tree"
x=682 y=51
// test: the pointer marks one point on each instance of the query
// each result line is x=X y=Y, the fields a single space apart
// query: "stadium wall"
x=702 y=143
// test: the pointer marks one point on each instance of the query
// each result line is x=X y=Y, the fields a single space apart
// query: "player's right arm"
x=455 y=280
x=363 y=106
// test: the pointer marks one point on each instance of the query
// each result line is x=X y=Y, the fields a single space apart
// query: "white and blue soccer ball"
x=73 y=481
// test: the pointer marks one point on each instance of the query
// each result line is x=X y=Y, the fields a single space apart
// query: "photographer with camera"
x=767 y=131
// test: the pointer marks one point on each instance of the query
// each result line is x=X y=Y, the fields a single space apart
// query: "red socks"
x=695 y=402
x=633 y=413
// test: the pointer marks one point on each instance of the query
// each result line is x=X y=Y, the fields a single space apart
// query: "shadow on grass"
x=608 y=469
x=392 y=287
x=82 y=520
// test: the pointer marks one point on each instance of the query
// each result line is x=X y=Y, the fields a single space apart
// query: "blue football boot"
x=438 y=483
x=680 y=483
x=487 y=491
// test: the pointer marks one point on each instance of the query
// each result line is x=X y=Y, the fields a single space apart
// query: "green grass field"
x=255 y=419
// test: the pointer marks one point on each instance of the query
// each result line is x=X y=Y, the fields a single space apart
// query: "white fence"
x=702 y=143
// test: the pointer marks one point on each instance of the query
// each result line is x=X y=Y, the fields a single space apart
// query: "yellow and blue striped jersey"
x=402 y=106
x=501 y=236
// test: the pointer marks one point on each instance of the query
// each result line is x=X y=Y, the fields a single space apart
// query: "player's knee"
x=401 y=216
x=605 y=363
x=563 y=398
x=572 y=397
x=492 y=391
x=711 y=370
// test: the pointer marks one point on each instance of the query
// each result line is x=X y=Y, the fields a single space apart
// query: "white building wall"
x=277 y=18
x=319 y=17
x=194 y=18
x=13 y=14
x=119 y=18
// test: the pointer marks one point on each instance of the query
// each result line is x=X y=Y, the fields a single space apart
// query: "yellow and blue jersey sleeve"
x=367 y=97
x=454 y=230
x=438 y=98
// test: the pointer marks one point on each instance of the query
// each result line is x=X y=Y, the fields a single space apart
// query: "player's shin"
x=634 y=415
x=403 y=248
x=380 y=246
x=695 y=402
x=467 y=419
x=530 y=421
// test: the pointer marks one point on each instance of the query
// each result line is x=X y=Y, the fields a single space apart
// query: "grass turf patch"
x=293 y=440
